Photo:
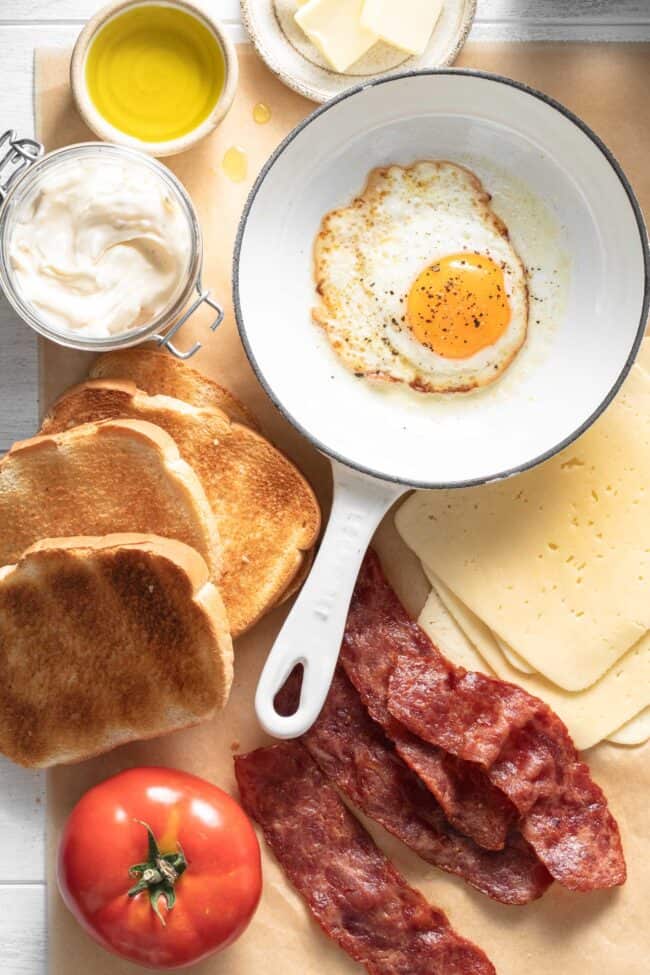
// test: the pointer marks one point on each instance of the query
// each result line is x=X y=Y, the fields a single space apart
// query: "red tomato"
x=160 y=867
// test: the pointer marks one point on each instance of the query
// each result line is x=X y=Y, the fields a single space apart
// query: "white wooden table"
x=24 y=25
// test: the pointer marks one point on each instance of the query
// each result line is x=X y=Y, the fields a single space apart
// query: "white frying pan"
x=380 y=443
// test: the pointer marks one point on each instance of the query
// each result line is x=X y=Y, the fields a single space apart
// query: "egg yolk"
x=458 y=306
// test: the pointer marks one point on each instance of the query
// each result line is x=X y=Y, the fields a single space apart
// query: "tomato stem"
x=158 y=874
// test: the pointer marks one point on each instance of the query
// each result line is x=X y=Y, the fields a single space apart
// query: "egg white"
x=368 y=255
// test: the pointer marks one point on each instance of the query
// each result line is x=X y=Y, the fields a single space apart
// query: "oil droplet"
x=235 y=164
x=261 y=113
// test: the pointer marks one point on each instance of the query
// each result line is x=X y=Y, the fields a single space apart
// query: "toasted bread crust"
x=141 y=646
x=122 y=475
x=267 y=515
x=193 y=564
x=302 y=571
x=157 y=372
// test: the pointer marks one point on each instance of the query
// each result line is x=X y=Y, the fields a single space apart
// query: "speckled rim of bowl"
x=326 y=84
x=96 y=121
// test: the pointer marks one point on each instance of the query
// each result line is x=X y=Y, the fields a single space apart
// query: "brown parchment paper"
x=563 y=933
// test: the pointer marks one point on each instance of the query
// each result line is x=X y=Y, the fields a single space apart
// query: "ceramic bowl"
x=103 y=129
x=291 y=56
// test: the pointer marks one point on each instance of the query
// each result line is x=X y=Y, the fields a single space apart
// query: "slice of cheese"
x=477 y=632
x=635 y=732
x=334 y=27
x=556 y=561
x=501 y=658
x=513 y=657
x=406 y=24
x=590 y=715
x=444 y=630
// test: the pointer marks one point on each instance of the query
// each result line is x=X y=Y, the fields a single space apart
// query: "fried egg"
x=419 y=283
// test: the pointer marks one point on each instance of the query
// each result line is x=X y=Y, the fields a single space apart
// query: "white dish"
x=383 y=443
x=291 y=56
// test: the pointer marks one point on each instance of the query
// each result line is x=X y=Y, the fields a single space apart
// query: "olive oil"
x=261 y=113
x=235 y=164
x=155 y=72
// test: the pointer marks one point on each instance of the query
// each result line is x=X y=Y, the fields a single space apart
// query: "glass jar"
x=23 y=167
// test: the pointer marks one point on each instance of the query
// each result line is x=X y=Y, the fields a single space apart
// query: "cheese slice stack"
x=547 y=574
x=598 y=712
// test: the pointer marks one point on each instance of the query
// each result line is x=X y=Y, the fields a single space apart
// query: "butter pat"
x=334 y=27
x=406 y=25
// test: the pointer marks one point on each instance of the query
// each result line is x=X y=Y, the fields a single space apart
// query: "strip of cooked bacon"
x=521 y=745
x=352 y=890
x=355 y=754
x=375 y=628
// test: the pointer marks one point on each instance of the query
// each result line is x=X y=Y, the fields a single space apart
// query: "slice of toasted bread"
x=96 y=479
x=107 y=640
x=154 y=371
x=267 y=515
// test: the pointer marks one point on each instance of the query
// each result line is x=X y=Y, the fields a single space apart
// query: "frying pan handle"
x=313 y=631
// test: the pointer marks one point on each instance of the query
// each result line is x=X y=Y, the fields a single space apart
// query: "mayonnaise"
x=100 y=247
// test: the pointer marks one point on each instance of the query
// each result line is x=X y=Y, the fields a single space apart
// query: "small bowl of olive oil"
x=155 y=75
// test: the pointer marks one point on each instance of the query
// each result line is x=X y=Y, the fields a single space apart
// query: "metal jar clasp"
x=19 y=154
x=204 y=297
